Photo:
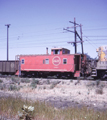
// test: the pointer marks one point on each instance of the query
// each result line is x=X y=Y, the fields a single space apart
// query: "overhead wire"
x=29 y=42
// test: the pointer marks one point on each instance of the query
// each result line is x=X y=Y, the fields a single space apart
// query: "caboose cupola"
x=59 y=51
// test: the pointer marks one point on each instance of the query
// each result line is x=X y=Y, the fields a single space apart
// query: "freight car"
x=9 y=67
x=100 y=68
x=59 y=63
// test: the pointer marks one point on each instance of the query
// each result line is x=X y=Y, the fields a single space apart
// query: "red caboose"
x=60 y=63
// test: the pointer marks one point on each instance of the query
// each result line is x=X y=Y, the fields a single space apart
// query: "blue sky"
x=37 y=24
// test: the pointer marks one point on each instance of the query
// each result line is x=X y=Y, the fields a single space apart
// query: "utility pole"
x=76 y=35
x=81 y=39
x=7 y=40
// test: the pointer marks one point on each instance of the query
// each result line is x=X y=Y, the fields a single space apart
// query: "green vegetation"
x=15 y=79
x=13 y=88
x=99 y=90
x=2 y=86
x=25 y=80
x=1 y=81
x=53 y=84
x=34 y=83
x=42 y=111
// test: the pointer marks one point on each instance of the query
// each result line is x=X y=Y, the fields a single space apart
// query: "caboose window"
x=56 y=51
x=63 y=51
x=64 y=61
x=68 y=52
x=22 y=61
x=46 y=61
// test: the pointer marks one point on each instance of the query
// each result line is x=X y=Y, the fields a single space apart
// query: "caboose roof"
x=58 y=48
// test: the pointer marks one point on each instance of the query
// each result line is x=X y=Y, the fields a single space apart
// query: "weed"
x=27 y=113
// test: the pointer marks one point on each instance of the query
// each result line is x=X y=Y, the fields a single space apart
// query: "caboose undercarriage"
x=46 y=74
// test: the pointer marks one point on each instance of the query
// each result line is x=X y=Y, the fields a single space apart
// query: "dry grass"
x=9 y=107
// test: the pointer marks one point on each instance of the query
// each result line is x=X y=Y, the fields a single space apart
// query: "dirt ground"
x=60 y=93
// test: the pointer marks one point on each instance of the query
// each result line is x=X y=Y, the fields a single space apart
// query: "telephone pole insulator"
x=7 y=40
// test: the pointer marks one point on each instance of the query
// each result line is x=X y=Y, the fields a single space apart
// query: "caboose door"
x=77 y=62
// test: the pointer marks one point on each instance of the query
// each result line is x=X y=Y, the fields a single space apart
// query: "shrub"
x=2 y=86
x=53 y=85
x=71 y=80
x=14 y=79
x=1 y=81
x=13 y=88
x=99 y=90
x=33 y=86
x=44 y=87
x=97 y=83
x=35 y=81
x=48 y=81
x=25 y=80
x=90 y=85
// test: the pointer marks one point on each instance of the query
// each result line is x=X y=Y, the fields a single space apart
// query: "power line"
x=95 y=36
x=95 y=29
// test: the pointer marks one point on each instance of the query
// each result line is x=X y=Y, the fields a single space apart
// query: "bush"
x=97 y=83
x=34 y=83
x=14 y=79
x=2 y=86
x=13 y=88
x=1 y=81
x=54 y=84
x=71 y=80
x=25 y=80
x=48 y=81
x=99 y=90
x=90 y=85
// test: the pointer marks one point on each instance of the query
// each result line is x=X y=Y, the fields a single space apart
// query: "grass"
x=10 y=107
